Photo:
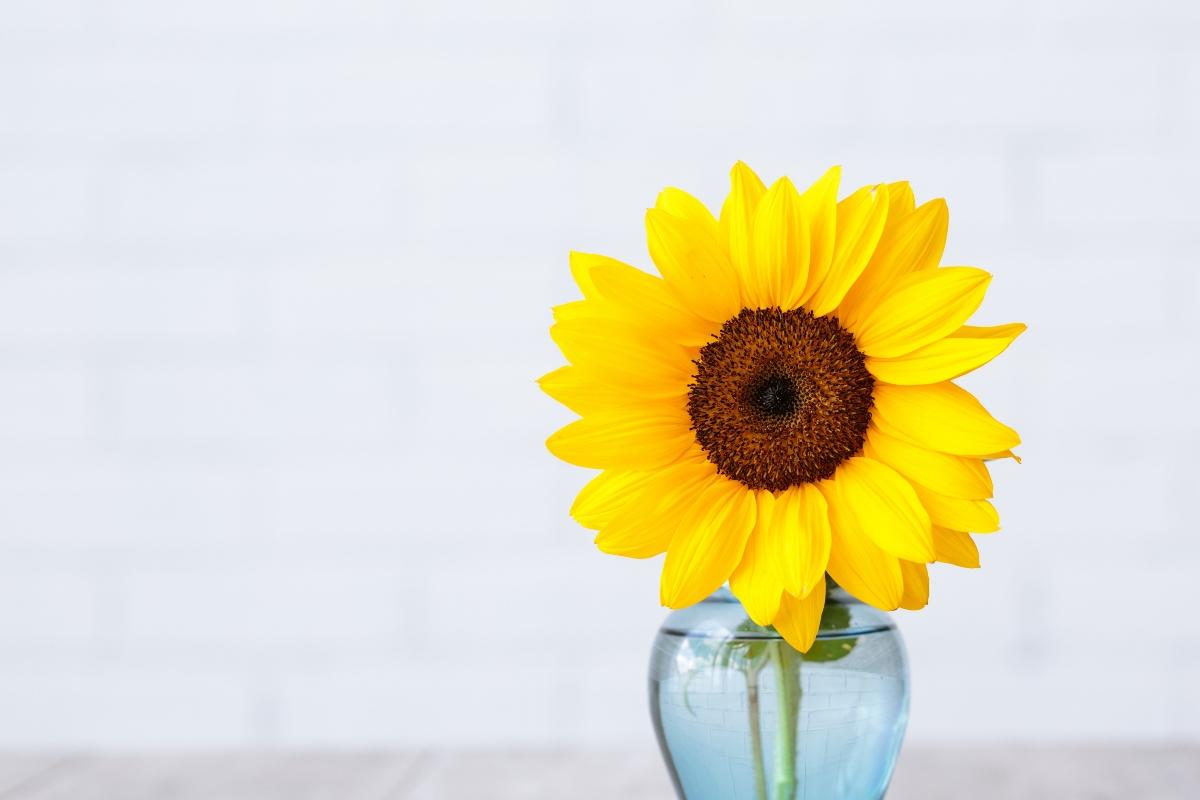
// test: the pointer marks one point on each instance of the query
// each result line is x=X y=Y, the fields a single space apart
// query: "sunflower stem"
x=787 y=692
x=760 y=772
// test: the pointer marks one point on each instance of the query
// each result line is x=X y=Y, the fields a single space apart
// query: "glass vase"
x=740 y=714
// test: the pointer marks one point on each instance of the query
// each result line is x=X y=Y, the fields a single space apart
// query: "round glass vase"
x=741 y=714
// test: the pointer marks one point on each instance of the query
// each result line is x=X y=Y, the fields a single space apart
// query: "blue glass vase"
x=741 y=715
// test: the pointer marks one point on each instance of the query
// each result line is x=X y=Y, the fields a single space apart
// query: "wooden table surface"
x=929 y=774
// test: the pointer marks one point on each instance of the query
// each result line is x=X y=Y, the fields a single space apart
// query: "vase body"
x=740 y=715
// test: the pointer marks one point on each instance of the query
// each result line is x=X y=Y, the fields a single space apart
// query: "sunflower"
x=779 y=404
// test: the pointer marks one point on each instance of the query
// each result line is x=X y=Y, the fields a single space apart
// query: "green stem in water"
x=787 y=691
x=760 y=772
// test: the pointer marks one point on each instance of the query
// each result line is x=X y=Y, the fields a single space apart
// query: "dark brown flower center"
x=780 y=398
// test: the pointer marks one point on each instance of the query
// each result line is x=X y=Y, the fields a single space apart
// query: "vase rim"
x=867 y=620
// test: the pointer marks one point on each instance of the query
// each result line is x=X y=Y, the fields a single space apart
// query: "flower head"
x=779 y=404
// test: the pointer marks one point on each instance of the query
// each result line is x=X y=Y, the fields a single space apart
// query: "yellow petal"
x=910 y=243
x=1006 y=333
x=922 y=308
x=756 y=581
x=581 y=267
x=564 y=386
x=955 y=547
x=857 y=564
x=916 y=585
x=860 y=222
x=708 y=543
x=586 y=392
x=737 y=216
x=641 y=299
x=633 y=438
x=683 y=205
x=921 y=240
x=641 y=536
x=819 y=206
x=695 y=265
x=802 y=554
x=799 y=618
x=605 y=495
x=941 y=416
x=576 y=309
x=779 y=258
x=609 y=348
x=877 y=501
x=966 y=349
x=957 y=476
x=977 y=516
x=645 y=524
x=901 y=201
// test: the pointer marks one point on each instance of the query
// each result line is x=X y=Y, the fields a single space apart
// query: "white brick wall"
x=274 y=284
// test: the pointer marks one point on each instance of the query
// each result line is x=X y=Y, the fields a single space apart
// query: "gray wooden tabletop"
x=929 y=774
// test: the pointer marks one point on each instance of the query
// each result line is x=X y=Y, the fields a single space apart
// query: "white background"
x=274 y=290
